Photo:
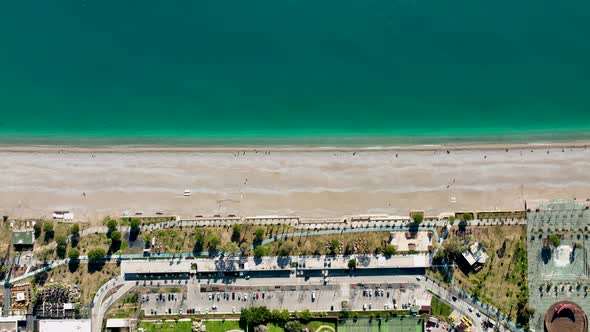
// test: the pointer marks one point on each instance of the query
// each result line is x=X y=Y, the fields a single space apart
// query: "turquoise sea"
x=346 y=72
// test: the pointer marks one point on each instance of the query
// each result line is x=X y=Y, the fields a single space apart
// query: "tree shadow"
x=257 y=260
x=75 y=239
x=573 y=255
x=198 y=247
x=73 y=265
x=95 y=266
x=48 y=236
x=283 y=261
x=413 y=229
x=546 y=254
x=133 y=233
x=115 y=246
x=40 y=278
x=462 y=226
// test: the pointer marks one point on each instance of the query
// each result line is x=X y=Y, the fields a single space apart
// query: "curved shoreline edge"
x=261 y=148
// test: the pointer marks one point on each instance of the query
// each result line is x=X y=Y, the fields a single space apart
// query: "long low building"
x=62 y=325
x=178 y=269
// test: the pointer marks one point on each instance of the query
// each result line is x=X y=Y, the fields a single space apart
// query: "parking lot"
x=219 y=298
x=162 y=303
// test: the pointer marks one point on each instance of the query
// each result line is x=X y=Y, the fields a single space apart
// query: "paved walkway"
x=315 y=224
x=105 y=297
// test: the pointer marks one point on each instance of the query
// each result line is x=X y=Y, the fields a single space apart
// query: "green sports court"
x=393 y=324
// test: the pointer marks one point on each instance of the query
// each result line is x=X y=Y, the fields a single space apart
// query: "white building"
x=62 y=325
x=63 y=215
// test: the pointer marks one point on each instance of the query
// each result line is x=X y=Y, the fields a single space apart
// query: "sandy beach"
x=95 y=182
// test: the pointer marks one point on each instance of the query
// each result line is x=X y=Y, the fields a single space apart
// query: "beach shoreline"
x=293 y=148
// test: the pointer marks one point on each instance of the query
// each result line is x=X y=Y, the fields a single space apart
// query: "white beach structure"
x=63 y=215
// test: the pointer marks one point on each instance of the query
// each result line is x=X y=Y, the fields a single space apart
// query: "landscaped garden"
x=502 y=281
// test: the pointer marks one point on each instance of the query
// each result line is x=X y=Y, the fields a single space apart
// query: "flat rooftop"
x=61 y=325
x=23 y=238
x=274 y=263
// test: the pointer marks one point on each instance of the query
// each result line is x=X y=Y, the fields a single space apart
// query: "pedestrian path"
x=208 y=253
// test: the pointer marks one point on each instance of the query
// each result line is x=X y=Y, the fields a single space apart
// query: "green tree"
x=44 y=254
x=134 y=229
x=60 y=249
x=37 y=228
x=134 y=223
x=111 y=227
x=48 y=230
x=389 y=250
x=454 y=246
x=115 y=241
x=293 y=326
x=75 y=235
x=555 y=240
x=259 y=235
x=244 y=248
x=260 y=251
x=213 y=242
x=451 y=220
x=199 y=242
x=73 y=254
x=334 y=245
x=230 y=248
x=468 y=216
x=112 y=224
x=96 y=259
x=418 y=217
x=75 y=229
x=236 y=234
x=305 y=315
x=96 y=255
x=284 y=251
x=116 y=236
x=352 y=264
x=255 y=316
x=280 y=315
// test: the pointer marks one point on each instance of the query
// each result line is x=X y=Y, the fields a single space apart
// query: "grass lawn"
x=274 y=328
x=167 y=326
x=313 y=325
x=126 y=307
x=440 y=309
x=222 y=325
x=503 y=280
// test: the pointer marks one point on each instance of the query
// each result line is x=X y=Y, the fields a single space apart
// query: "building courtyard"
x=558 y=246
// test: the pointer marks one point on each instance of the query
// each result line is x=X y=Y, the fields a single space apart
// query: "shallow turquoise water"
x=291 y=72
